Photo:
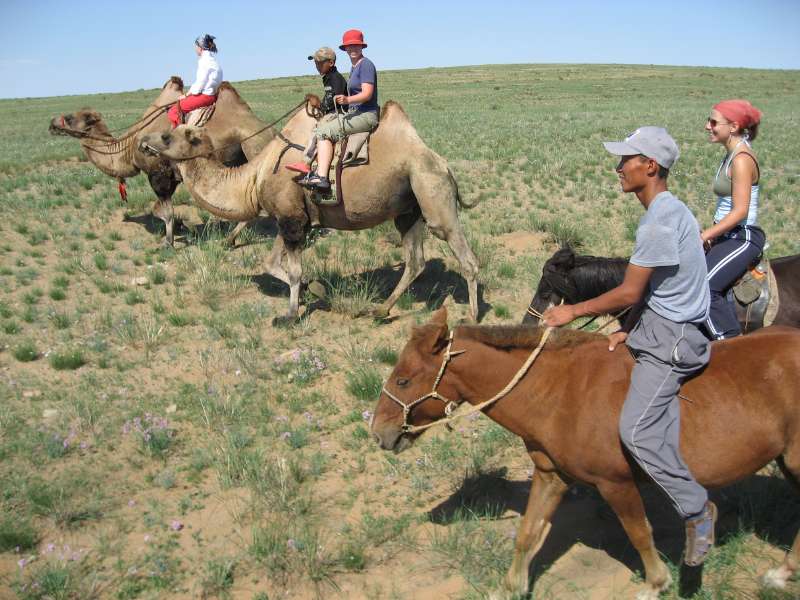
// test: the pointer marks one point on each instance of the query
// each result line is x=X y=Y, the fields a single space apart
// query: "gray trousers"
x=666 y=353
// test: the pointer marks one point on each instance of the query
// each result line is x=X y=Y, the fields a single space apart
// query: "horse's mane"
x=174 y=79
x=524 y=336
x=580 y=277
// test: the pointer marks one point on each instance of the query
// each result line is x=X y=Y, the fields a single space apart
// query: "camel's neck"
x=228 y=193
x=112 y=156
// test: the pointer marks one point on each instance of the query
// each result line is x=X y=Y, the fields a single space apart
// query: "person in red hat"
x=204 y=89
x=735 y=240
x=362 y=112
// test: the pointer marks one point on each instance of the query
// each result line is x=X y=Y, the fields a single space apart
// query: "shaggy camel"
x=233 y=121
x=405 y=181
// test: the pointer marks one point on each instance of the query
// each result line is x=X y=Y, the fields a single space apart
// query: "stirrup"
x=299 y=167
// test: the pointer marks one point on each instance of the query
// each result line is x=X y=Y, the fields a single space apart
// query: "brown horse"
x=740 y=414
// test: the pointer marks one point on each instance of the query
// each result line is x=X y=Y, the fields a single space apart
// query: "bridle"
x=449 y=405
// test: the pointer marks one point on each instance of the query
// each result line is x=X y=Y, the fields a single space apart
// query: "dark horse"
x=576 y=278
x=743 y=414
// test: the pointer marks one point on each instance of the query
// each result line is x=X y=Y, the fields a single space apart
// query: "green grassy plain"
x=160 y=439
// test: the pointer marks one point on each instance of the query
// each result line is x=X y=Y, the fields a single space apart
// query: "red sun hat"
x=352 y=37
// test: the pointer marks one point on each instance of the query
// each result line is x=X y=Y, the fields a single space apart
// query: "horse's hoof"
x=284 y=321
x=776 y=579
x=317 y=289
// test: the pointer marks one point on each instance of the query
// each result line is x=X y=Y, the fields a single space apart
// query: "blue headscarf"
x=206 y=42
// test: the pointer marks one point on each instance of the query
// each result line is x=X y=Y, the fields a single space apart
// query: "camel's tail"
x=458 y=194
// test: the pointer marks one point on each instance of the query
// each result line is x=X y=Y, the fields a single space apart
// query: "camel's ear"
x=313 y=100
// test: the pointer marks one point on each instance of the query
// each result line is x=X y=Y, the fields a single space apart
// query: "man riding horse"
x=666 y=281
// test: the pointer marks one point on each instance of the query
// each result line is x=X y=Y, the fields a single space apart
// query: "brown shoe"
x=700 y=535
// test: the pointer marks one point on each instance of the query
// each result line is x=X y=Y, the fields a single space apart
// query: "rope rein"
x=241 y=141
x=450 y=406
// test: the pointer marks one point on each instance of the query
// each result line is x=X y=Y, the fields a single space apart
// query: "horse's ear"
x=432 y=336
x=563 y=258
x=439 y=317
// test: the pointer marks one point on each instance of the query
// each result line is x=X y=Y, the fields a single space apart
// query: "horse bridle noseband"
x=449 y=405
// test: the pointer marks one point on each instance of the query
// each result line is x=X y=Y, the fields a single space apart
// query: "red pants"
x=188 y=104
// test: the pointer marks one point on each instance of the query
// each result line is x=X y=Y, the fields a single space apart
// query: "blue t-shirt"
x=668 y=240
x=364 y=72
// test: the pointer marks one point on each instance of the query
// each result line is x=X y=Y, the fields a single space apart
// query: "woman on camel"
x=362 y=112
x=735 y=240
x=204 y=89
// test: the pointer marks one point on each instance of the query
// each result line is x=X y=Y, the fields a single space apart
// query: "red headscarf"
x=741 y=111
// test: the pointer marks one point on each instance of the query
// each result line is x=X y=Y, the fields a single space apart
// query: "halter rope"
x=238 y=142
x=450 y=406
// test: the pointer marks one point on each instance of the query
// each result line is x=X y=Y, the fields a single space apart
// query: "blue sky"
x=50 y=48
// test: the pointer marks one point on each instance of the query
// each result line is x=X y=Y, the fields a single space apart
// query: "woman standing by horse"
x=734 y=240
x=204 y=89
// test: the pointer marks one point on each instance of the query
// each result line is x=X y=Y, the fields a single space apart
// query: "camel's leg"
x=163 y=181
x=626 y=501
x=412 y=229
x=469 y=266
x=293 y=231
x=777 y=578
x=274 y=264
x=164 y=210
x=295 y=270
x=547 y=489
x=437 y=195
x=231 y=239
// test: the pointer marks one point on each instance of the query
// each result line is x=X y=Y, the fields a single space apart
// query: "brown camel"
x=232 y=122
x=405 y=181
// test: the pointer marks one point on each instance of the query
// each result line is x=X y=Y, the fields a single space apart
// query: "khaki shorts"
x=329 y=128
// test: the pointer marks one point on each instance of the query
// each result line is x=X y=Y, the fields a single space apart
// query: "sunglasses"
x=714 y=122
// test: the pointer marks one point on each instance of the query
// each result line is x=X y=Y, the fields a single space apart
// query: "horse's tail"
x=458 y=194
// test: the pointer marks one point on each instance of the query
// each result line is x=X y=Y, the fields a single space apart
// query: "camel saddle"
x=200 y=116
x=756 y=292
x=351 y=151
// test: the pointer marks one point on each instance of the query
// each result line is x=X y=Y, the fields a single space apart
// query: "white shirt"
x=209 y=75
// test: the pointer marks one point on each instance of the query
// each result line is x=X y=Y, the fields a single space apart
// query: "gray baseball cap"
x=652 y=142
x=323 y=54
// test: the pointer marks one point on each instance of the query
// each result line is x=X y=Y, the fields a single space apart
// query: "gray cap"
x=323 y=54
x=652 y=142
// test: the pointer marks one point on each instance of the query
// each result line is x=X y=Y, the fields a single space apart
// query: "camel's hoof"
x=380 y=313
x=776 y=578
x=167 y=244
x=284 y=321
x=317 y=289
x=650 y=594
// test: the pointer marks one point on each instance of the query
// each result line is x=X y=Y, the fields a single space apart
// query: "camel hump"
x=227 y=86
x=174 y=80
x=393 y=109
